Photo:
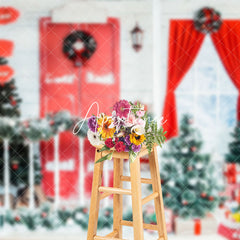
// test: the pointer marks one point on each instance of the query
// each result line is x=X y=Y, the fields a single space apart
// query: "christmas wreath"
x=207 y=20
x=79 y=46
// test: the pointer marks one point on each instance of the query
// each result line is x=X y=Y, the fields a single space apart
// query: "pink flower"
x=140 y=113
x=120 y=147
x=122 y=108
x=140 y=122
x=131 y=120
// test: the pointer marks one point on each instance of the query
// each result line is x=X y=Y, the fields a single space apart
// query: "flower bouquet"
x=127 y=130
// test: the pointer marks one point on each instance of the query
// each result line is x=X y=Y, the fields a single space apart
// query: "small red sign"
x=6 y=74
x=8 y=15
x=6 y=48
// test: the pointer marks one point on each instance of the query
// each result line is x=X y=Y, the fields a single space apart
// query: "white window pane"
x=228 y=104
x=206 y=77
x=184 y=105
x=225 y=82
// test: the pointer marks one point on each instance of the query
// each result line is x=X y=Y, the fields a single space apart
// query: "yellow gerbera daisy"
x=104 y=122
x=137 y=139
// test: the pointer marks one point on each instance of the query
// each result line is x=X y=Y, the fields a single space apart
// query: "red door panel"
x=66 y=87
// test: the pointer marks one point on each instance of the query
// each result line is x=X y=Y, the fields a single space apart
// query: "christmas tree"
x=188 y=183
x=234 y=147
x=18 y=148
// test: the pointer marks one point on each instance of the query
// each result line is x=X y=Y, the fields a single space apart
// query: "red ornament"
x=168 y=195
x=193 y=149
x=184 y=202
x=85 y=210
x=211 y=198
x=25 y=124
x=190 y=168
x=43 y=214
x=6 y=74
x=13 y=103
x=8 y=15
x=162 y=181
x=190 y=121
x=15 y=166
x=17 y=219
x=203 y=195
x=107 y=213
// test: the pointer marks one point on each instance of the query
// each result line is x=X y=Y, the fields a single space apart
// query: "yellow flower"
x=137 y=139
x=236 y=216
x=104 y=122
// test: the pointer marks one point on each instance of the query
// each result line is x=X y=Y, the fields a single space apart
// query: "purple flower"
x=92 y=123
x=118 y=122
x=126 y=149
x=127 y=140
x=122 y=108
x=136 y=148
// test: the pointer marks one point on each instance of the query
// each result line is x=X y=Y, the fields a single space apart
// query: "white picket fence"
x=57 y=198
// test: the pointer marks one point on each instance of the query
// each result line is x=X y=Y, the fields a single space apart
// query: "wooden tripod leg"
x=117 y=198
x=136 y=199
x=158 y=202
x=95 y=198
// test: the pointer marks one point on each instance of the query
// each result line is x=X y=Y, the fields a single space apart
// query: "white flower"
x=94 y=138
x=138 y=129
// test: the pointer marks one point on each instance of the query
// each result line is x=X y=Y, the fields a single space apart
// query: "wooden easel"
x=99 y=192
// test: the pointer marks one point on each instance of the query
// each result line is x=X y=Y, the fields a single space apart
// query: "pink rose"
x=140 y=113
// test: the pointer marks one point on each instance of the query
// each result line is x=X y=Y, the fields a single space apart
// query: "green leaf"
x=104 y=148
x=106 y=157
x=132 y=156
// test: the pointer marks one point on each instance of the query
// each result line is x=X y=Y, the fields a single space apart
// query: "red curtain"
x=184 y=44
x=227 y=44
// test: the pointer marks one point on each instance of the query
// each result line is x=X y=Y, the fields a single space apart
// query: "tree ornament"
x=85 y=210
x=184 y=202
x=199 y=166
x=79 y=46
x=17 y=218
x=13 y=103
x=193 y=181
x=203 y=195
x=190 y=121
x=211 y=198
x=184 y=150
x=15 y=165
x=107 y=213
x=190 y=168
x=207 y=20
x=171 y=183
x=194 y=149
x=44 y=214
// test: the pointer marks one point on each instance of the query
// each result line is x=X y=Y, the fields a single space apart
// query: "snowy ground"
x=82 y=235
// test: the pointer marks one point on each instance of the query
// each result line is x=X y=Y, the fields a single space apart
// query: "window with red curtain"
x=212 y=92
x=208 y=94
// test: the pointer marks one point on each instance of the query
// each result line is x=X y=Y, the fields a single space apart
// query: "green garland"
x=46 y=218
x=39 y=129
